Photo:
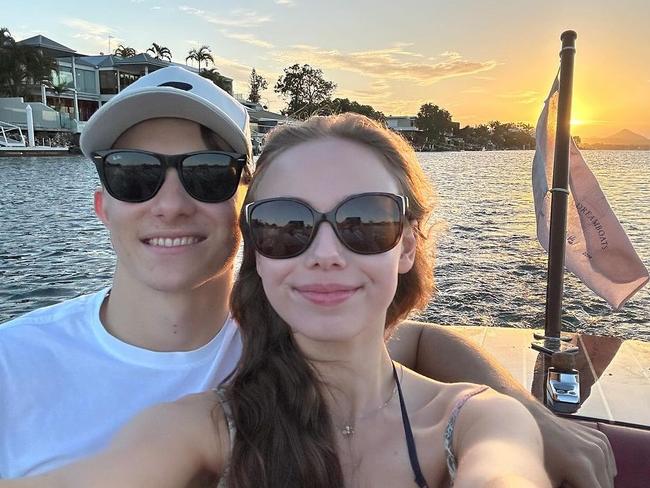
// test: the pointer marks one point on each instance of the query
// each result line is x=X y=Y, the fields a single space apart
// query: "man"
x=170 y=150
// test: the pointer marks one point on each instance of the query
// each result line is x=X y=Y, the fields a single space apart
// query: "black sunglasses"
x=136 y=176
x=367 y=223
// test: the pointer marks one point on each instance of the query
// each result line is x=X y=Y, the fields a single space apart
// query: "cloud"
x=386 y=63
x=474 y=89
x=246 y=38
x=233 y=69
x=88 y=30
x=95 y=35
x=524 y=97
x=286 y=3
x=450 y=54
x=239 y=17
x=376 y=93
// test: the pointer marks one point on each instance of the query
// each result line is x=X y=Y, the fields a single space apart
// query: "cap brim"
x=113 y=119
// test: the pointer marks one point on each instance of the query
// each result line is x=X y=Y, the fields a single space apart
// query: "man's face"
x=172 y=242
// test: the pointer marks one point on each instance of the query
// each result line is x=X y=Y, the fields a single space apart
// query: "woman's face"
x=329 y=293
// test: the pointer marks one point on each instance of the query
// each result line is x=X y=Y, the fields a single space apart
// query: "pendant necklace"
x=348 y=431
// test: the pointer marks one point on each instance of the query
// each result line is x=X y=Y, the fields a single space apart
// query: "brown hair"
x=284 y=431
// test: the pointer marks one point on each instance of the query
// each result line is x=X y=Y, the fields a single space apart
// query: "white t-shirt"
x=67 y=385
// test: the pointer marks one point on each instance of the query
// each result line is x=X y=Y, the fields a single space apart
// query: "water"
x=490 y=268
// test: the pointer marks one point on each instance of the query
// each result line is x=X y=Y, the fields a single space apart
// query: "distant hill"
x=623 y=139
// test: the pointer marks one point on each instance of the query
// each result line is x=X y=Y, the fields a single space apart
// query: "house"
x=80 y=85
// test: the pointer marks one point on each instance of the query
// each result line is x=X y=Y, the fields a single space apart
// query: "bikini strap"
x=410 y=441
x=452 y=464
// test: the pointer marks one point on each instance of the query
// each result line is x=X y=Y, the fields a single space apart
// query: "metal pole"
x=560 y=195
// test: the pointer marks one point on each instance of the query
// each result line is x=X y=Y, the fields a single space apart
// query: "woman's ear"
x=408 y=246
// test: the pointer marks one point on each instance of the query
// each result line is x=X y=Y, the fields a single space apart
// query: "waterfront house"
x=80 y=85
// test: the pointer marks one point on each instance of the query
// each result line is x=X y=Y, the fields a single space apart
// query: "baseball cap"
x=169 y=92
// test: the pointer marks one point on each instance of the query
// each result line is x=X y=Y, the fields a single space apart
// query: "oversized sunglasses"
x=367 y=223
x=136 y=176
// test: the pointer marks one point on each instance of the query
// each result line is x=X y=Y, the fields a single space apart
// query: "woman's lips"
x=331 y=294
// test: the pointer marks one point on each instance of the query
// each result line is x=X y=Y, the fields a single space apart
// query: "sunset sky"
x=481 y=60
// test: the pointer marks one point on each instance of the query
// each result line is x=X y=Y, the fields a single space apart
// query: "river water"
x=490 y=268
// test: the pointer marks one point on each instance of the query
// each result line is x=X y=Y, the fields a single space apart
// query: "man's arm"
x=575 y=454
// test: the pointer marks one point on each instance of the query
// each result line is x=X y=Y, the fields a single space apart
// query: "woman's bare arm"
x=165 y=446
x=576 y=454
x=497 y=444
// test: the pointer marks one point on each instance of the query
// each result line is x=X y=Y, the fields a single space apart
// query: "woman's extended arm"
x=574 y=453
x=168 y=445
x=497 y=444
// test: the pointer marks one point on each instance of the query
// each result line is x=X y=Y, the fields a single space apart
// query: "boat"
x=614 y=388
x=600 y=381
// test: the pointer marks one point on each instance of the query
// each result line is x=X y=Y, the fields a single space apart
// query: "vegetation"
x=434 y=122
x=497 y=135
x=342 y=105
x=257 y=85
x=200 y=55
x=125 y=51
x=221 y=81
x=21 y=67
x=160 y=52
x=306 y=90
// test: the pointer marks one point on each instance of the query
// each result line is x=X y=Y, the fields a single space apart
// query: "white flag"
x=598 y=251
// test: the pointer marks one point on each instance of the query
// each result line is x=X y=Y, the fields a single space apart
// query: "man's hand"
x=575 y=455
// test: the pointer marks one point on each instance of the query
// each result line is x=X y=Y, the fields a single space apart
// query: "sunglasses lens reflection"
x=132 y=176
x=210 y=177
x=369 y=224
x=281 y=228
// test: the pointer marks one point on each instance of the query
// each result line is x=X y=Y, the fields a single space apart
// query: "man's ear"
x=409 y=244
x=99 y=202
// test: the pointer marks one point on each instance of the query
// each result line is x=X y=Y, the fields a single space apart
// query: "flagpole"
x=560 y=190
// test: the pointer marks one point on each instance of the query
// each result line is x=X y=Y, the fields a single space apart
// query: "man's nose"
x=172 y=199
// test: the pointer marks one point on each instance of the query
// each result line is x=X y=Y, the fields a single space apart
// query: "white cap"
x=169 y=92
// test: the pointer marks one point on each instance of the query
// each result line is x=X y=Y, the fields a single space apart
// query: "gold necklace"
x=348 y=431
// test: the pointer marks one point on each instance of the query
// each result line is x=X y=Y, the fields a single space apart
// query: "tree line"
x=303 y=87
x=307 y=92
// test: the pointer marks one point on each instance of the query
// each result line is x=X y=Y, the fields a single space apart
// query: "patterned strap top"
x=449 y=431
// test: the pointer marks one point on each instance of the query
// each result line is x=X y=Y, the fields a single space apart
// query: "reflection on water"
x=490 y=268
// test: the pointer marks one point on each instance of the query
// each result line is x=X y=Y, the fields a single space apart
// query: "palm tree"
x=125 y=51
x=21 y=66
x=160 y=52
x=200 y=55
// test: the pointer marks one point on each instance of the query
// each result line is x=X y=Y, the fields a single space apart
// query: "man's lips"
x=326 y=294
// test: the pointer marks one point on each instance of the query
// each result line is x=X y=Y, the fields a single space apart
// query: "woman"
x=335 y=255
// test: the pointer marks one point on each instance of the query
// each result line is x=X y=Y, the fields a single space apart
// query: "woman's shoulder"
x=430 y=390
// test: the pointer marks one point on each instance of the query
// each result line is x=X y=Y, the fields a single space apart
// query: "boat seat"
x=631 y=448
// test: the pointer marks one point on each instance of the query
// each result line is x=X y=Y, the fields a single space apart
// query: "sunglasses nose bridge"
x=325 y=245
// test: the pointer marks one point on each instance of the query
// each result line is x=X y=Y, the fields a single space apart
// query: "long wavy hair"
x=284 y=434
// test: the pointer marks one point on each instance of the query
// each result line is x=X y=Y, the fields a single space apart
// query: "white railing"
x=5 y=135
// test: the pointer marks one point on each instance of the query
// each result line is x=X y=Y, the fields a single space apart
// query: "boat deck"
x=614 y=374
